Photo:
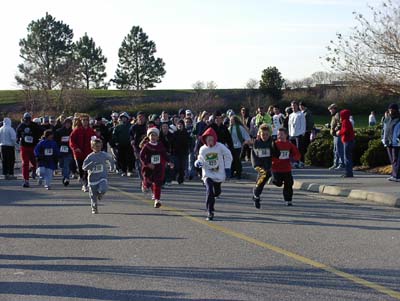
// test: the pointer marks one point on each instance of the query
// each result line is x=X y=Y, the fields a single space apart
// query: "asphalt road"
x=53 y=248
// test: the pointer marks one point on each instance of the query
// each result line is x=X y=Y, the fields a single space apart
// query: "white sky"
x=228 y=41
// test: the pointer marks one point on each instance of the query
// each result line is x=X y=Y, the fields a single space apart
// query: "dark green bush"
x=375 y=155
x=320 y=152
x=363 y=137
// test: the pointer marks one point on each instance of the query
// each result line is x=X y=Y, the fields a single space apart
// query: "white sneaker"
x=85 y=188
x=123 y=174
x=157 y=204
x=130 y=174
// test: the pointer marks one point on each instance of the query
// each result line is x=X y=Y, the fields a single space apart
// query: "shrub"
x=375 y=155
x=363 y=137
x=320 y=152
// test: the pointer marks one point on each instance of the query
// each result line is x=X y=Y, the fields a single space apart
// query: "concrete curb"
x=377 y=197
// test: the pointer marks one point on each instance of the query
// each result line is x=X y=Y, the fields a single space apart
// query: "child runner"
x=96 y=166
x=46 y=153
x=153 y=157
x=281 y=167
x=261 y=158
x=215 y=160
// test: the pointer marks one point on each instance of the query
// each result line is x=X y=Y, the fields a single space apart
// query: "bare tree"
x=370 y=55
x=252 y=84
x=198 y=86
x=211 y=85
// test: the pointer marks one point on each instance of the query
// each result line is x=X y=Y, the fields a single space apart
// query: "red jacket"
x=80 y=138
x=346 y=131
x=287 y=151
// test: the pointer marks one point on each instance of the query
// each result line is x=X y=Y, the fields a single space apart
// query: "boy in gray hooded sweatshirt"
x=96 y=166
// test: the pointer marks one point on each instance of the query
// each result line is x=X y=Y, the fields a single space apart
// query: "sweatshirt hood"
x=345 y=114
x=7 y=122
x=209 y=132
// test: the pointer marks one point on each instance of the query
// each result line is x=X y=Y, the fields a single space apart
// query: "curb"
x=377 y=197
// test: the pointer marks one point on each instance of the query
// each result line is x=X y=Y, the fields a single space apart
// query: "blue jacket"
x=396 y=135
x=46 y=152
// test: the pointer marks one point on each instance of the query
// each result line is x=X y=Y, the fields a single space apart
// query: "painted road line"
x=380 y=288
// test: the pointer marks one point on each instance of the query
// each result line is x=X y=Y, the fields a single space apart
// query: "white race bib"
x=263 y=152
x=285 y=154
x=98 y=168
x=28 y=139
x=48 y=152
x=64 y=149
x=65 y=139
x=155 y=159
x=212 y=161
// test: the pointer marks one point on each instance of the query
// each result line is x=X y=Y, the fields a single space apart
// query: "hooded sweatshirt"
x=346 y=131
x=8 y=136
x=215 y=159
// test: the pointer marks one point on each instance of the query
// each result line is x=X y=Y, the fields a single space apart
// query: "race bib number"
x=65 y=139
x=28 y=139
x=263 y=152
x=155 y=159
x=284 y=155
x=212 y=161
x=48 y=152
x=98 y=168
x=64 y=149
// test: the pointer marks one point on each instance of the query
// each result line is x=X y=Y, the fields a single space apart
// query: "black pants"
x=126 y=158
x=83 y=175
x=180 y=162
x=8 y=159
x=213 y=190
x=285 y=178
x=236 y=168
x=262 y=178
x=246 y=152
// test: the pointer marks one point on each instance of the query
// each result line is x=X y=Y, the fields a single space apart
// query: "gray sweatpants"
x=97 y=190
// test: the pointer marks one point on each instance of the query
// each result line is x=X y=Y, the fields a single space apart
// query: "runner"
x=261 y=158
x=96 y=166
x=281 y=167
x=62 y=137
x=154 y=158
x=28 y=134
x=215 y=160
x=46 y=153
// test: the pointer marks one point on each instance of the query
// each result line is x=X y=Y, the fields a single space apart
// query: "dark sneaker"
x=157 y=204
x=210 y=216
x=65 y=182
x=26 y=184
x=289 y=203
x=33 y=175
x=256 y=201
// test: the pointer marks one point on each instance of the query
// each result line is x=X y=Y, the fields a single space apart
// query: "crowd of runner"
x=161 y=148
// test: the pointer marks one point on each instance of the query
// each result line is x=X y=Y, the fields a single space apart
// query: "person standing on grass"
x=28 y=135
x=372 y=119
x=390 y=140
x=8 y=139
x=215 y=160
x=346 y=134
x=338 y=151
x=297 y=130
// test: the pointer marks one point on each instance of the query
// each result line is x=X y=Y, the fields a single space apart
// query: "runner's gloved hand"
x=198 y=164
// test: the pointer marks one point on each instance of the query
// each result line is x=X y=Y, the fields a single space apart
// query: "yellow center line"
x=380 y=288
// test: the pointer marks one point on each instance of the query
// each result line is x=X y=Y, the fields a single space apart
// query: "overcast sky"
x=228 y=41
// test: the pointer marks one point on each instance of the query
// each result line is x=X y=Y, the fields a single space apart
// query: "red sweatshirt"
x=346 y=131
x=288 y=150
x=80 y=138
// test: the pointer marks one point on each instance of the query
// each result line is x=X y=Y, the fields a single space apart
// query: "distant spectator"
x=391 y=140
x=346 y=133
x=338 y=152
x=309 y=125
x=297 y=129
x=372 y=119
x=8 y=139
